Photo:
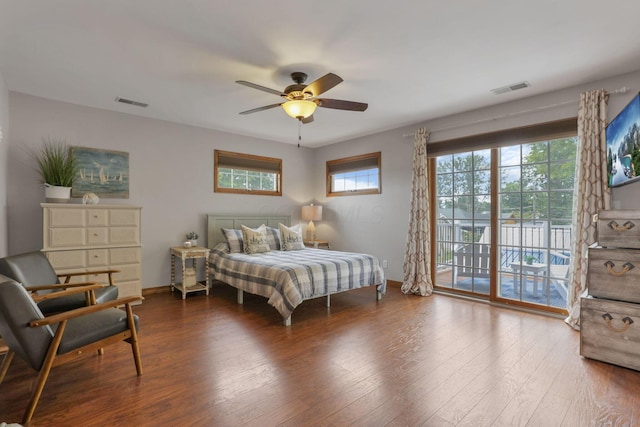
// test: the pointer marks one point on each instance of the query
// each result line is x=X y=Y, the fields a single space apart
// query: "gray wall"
x=172 y=167
x=378 y=224
x=4 y=124
x=375 y=224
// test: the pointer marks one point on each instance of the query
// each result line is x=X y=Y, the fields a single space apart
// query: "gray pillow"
x=234 y=240
x=273 y=238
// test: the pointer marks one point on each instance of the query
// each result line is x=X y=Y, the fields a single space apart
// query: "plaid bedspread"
x=287 y=278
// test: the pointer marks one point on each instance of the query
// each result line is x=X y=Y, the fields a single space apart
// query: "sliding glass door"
x=530 y=210
x=462 y=221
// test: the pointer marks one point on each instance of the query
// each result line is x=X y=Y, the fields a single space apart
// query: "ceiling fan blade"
x=307 y=120
x=262 y=88
x=338 y=104
x=266 y=107
x=322 y=84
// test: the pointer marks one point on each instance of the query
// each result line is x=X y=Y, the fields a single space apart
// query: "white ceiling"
x=411 y=61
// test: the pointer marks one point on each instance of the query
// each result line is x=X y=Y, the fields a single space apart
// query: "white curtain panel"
x=591 y=193
x=417 y=261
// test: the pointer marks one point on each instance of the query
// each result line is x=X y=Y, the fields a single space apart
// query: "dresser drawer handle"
x=609 y=318
x=625 y=227
x=626 y=267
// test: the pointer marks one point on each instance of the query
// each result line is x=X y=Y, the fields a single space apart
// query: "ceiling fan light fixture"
x=299 y=108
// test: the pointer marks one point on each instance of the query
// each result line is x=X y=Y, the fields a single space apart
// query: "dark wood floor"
x=405 y=360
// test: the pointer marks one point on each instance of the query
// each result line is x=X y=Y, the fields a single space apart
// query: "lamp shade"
x=312 y=213
x=299 y=108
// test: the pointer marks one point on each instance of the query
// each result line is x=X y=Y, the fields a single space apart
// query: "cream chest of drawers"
x=79 y=238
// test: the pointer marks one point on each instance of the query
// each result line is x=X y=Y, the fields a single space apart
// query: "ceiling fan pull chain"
x=299 y=132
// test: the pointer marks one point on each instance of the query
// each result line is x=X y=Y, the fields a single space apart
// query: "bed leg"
x=378 y=295
x=240 y=297
x=328 y=300
x=287 y=321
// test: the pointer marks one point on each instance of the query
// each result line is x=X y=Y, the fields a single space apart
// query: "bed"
x=287 y=278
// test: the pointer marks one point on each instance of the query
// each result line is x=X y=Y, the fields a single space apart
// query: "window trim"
x=343 y=164
x=520 y=135
x=241 y=158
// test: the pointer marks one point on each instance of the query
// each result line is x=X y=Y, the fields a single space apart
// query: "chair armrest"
x=59 y=286
x=108 y=272
x=82 y=273
x=559 y=255
x=74 y=290
x=57 y=318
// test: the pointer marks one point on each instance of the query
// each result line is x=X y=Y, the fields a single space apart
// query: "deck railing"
x=515 y=243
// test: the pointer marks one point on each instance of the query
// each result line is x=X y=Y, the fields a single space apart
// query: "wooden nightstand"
x=189 y=282
x=317 y=244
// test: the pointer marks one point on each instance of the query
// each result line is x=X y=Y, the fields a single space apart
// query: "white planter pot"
x=55 y=194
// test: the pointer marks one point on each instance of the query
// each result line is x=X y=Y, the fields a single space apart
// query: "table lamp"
x=311 y=213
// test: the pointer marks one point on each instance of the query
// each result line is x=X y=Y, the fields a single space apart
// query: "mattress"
x=286 y=278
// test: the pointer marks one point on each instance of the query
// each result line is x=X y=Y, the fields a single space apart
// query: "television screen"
x=623 y=145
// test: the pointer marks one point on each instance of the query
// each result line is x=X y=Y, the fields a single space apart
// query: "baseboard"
x=158 y=290
x=394 y=284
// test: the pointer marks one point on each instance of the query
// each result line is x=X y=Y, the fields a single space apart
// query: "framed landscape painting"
x=103 y=172
x=623 y=145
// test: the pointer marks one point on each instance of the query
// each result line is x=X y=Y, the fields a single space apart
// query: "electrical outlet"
x=385 y=264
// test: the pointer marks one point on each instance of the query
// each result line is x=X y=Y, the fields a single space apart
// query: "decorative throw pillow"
x=255 y=240
x=273 y=238
x=291 y=237
x=234 y=240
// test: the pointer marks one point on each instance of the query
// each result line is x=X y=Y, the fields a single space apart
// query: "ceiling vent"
x=510 y=88
x=130 y=102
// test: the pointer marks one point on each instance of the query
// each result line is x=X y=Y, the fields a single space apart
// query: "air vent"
x=510 y=88
x=130 y=102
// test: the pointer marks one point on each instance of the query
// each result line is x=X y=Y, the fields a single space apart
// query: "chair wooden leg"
x=43 y=375
x=8 y=357
x=91 y=300
x=134 y=340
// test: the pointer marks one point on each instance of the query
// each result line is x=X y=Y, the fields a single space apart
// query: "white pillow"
x=255 y=240
x=291 y=237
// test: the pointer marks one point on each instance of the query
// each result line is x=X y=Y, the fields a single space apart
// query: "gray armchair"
x=36 y=274
x=45 y=342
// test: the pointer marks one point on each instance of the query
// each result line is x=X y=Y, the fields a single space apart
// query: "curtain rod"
x=623 y=89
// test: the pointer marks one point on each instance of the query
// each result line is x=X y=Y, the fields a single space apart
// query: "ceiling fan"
x=301 y=100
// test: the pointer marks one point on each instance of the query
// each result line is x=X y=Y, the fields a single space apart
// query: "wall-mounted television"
x=623 y=145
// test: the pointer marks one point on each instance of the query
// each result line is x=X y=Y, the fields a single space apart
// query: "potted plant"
x=529 y=259
x=57 y=168
x=193 y=237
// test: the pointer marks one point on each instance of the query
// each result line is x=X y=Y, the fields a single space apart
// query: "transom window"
x=354 y=175
x=247 y=174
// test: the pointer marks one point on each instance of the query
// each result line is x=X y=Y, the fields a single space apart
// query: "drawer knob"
x=626 y=267
x=625 y=227
x=608 y=319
